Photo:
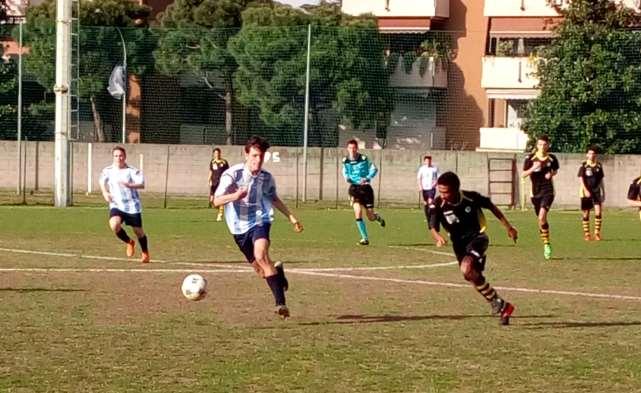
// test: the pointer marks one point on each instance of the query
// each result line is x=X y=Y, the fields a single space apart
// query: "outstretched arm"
x=512 y=233
x=280 y=205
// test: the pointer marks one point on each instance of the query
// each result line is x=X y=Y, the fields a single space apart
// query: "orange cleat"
x=586 y=237
x=597 y=236
x=145 y=257
x=131 y=248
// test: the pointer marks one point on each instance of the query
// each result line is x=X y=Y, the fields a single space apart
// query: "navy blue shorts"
x=133 y=220
x=429 y=194
x=246 y=240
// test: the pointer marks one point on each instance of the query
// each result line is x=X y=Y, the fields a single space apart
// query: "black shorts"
x=542 y=202
x=212 y=189
x=362 y=194
x=246 y=240
x=429 y=194
x=133 y=220
x=474 y=247
x=588 y=203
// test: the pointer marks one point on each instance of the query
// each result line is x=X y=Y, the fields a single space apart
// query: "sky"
x=297 y=3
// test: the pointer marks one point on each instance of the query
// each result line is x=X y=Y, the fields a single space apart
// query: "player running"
x=541 y=167
x=359 y=171
x=460 y=213
x=217 y=166
x=249 y=192
x=120 y=183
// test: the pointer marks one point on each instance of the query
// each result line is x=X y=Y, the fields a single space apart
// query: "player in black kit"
x=460 y=213
x=591 y=193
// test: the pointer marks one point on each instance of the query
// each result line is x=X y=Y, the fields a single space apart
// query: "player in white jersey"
x=248 y=193
x=120 y=183
x=426 y=177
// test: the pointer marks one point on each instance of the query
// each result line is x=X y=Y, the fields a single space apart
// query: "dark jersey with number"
x=463 y=220
x=540 y=185
x=217 y=167
x=592 y=176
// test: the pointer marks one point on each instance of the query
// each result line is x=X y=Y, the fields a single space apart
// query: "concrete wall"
x=186 y=168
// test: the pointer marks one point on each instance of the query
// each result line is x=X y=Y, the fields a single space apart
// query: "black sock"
x=143 y=243
x=426 y=209
x=276 y=285
x=122 y=235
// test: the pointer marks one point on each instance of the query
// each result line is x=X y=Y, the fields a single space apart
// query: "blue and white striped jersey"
x=255 y=209
x=123 y=198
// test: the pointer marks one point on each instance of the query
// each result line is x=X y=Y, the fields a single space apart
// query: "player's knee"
x=467 y=269
x=115 y=226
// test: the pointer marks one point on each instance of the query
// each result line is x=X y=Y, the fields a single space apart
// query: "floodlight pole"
x=124 y=93
x=306 y=114
x=62 y=193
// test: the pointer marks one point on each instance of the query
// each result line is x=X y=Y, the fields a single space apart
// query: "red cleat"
x=507 y=311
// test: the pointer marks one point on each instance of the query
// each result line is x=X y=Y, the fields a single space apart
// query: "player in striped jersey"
x=120 y=183
x=249 y=193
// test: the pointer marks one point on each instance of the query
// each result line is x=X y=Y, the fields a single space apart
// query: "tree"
x=194 y=40
x=590 y=81
x=100 y=44
x=347 y=75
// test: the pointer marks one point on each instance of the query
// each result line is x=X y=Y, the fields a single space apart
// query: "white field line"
x=310 y=272
x=418 y=248
x=223 y=266
x=110 y=270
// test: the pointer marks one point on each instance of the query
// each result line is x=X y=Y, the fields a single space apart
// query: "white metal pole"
x=124 y=95
x=19 y=125
x=306 y=121
x=141 y=163
x=63 y=103
x=89 y=168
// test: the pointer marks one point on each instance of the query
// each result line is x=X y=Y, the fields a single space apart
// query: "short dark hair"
x=449 y=179
x=352 y=142
x=428 y=157
x=593 y=148
x=543 y=138
x=258 y=143
x=216 y=149
x=122 y=149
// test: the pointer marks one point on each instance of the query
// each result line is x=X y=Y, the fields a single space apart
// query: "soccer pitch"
x=395 y=316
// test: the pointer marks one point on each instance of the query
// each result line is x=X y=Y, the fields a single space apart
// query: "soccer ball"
x=194 y=287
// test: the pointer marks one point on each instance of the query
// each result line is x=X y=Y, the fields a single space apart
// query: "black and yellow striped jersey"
x=592 y=176
x=464 y=219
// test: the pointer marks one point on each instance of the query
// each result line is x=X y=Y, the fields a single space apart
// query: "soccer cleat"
x=506 y=312
x=363 y=242
x=381 y=221
x=497 y=305
x=131 y=248
x=597 y=236
x=145 y=257
x=280 y=269
x=282 y=311
x=547 y=251
x=587 y=237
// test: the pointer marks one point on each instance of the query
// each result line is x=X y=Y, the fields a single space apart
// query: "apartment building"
x=491 y=75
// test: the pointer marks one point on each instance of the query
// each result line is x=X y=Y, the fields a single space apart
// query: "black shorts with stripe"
x=475 y=247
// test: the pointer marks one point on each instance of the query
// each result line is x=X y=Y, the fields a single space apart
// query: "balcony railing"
x=398 y=8
x=497 y=8
x=509 y=73
x=512 y=139
x=435 y=75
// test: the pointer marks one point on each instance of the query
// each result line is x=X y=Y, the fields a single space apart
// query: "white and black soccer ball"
x=194 y=287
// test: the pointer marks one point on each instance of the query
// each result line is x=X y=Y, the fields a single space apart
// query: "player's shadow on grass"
x=569 y=325
x=613 y=258
x=29 y=290
x=357 y=318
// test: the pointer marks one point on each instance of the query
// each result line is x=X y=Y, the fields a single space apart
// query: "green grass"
x=107 y=331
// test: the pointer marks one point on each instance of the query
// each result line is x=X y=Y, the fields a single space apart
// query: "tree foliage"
x=590 y=81
x=347 y=75
x=103 y=22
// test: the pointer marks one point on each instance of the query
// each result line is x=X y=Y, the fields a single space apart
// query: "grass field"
x=364 y=319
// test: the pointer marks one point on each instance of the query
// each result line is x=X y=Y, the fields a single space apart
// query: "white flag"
x=117 y=82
